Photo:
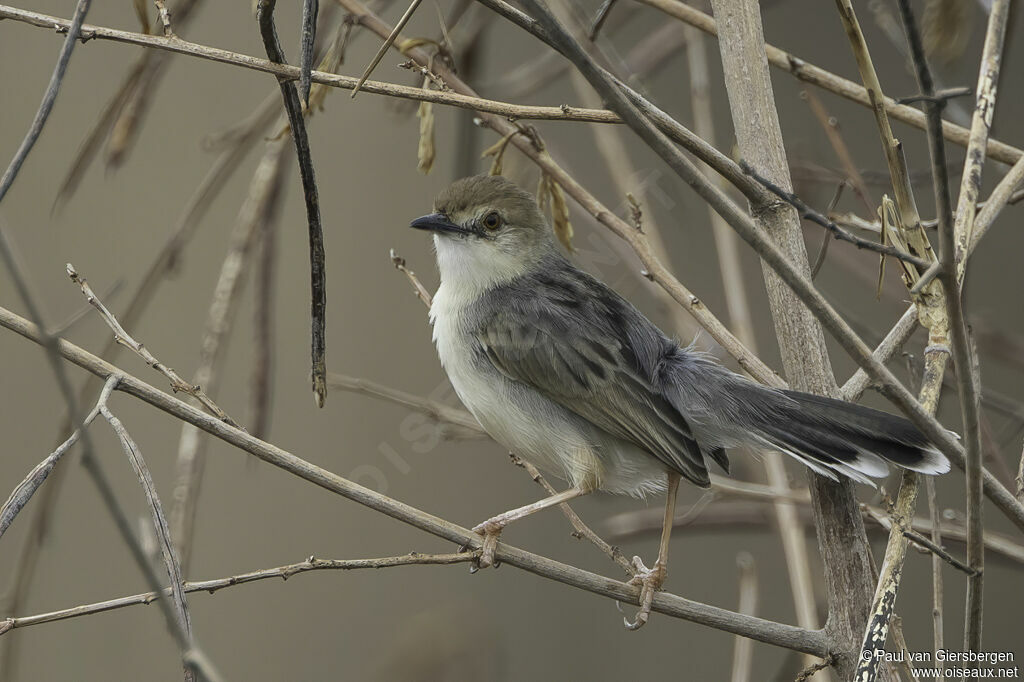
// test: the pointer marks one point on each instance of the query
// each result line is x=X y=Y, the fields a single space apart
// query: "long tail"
x=836 y=436
x=832 y=437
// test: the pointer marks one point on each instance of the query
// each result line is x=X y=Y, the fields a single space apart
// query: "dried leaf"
x=560 y=216
x=497 y=150
x=123 y=132
x=412 y=43
x=946 y=28
x=551 y=197
x=425 y=150
x=884 y=215
x=543 y=191
x=94 y=140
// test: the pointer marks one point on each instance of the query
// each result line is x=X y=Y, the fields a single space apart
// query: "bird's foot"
x=649 y=580
x=491 y=530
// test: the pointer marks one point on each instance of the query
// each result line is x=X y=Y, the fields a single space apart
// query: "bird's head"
x=486 y=228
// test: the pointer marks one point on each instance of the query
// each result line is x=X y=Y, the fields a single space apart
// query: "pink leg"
x=492 y=527
x=650 y=580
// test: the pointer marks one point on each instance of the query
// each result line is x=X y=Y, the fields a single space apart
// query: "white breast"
x=513 y=414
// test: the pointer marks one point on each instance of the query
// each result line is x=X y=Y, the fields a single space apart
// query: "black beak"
x=437 y=222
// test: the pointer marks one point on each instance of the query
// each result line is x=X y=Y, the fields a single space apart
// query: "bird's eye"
x=492 y=221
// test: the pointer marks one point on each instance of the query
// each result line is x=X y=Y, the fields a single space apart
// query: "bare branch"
x=165 y=18
x=581 y=529
x=743 y=651
x=417 y=287
x=74 y=31
x=463 y=421
x=938 y=551
x=124 y=338
x=162 y=533
x=745 y=506
x=938 y=638
x=211 y=586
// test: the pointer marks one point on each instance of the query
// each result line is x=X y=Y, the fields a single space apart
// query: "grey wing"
x=596 y=357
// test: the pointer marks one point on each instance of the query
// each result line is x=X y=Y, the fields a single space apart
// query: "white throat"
x=468 y=268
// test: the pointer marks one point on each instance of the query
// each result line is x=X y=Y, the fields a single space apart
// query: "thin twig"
x=938 y=637
x=818 y=218
x=602 y=15
x=743 y=649
x=165 y=18
x=162 y=533
x=582 y=530
x=212 y=586
x=1020 y=477
x=463 y=423
x=125 y=339
x=938 y=97
x=938 y=551
x=811 y=670
x=890 y=345
x=799 y=639
x=892 y=520
x=317 y=264
x=745 y=506
x=830 y=125
x=74 y=30
x=417 y=287
x=180 y=46
x=386 y=45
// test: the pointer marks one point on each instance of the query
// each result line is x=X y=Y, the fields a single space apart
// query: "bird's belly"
x=543 y=432
x=531 y=426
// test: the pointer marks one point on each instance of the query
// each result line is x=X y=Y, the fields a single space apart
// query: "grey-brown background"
x=419 y=622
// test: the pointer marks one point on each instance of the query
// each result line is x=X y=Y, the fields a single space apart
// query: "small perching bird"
x=571 y=377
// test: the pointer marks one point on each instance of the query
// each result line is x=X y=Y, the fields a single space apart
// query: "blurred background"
x=430 y=622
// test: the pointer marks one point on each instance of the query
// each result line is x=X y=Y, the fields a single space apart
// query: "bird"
x=571 y=377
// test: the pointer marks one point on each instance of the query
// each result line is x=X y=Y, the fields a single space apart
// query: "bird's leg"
x=492 y=527
x=650 y=580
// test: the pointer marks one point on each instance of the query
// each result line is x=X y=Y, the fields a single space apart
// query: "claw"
x=490 y=530
x=649 y=580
